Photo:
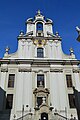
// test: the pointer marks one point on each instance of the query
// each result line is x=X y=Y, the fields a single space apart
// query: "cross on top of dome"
x=38 y=12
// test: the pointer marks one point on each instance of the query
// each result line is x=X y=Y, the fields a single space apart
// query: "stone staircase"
x=28 y=116
x=31 y=117
x=5 y=115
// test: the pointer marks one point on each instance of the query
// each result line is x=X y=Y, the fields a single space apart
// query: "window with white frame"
x=40 y=80
x=11 y=80
x=40 y=52
x=69 y=80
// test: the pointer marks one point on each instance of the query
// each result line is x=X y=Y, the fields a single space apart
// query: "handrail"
x=24 y=116
x=64 y=117
x=61 y=116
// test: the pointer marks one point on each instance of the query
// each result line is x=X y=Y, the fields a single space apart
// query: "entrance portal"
x=44 y=116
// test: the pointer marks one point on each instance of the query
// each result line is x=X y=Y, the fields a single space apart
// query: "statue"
x=78 y=29
x=43 y=100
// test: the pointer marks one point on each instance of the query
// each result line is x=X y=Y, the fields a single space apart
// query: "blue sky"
x=64 y=13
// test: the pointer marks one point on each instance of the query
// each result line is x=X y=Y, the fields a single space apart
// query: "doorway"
x=44 y=116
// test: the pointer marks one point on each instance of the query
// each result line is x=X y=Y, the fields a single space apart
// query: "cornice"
x=56 y=70
x=76 y=70
x=39 y=38
x=40 y=61
x=24 y=70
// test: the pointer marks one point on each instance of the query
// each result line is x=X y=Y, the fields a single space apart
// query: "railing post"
x=14 y=117
x=66 y=112
x=22 y=111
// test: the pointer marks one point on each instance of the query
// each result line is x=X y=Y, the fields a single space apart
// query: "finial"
x=78 y=29
x=21 y=33
x=71 y=51
x=57 y=34
x=7 y=49
x=39 y=12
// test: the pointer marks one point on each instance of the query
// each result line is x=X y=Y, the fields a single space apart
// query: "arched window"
x=40 y=52
x=39 y=26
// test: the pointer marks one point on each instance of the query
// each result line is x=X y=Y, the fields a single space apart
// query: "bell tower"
x=39 y=40
x=39 y=25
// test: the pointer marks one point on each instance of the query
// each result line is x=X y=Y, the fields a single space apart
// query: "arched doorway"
x=44 y=116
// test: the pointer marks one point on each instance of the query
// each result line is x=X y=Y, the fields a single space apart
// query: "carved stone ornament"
x=5 y=69
x=50 y=41
x=39 y=42
x=24 y=69
x=56 y=70
x=76 y=70
x=41 y=90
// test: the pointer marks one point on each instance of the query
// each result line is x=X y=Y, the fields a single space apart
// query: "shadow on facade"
x=4 y=113
x=77 y=101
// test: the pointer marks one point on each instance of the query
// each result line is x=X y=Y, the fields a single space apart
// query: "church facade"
x=36 y=82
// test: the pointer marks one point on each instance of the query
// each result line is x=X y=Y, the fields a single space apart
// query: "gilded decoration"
x=39 y=42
